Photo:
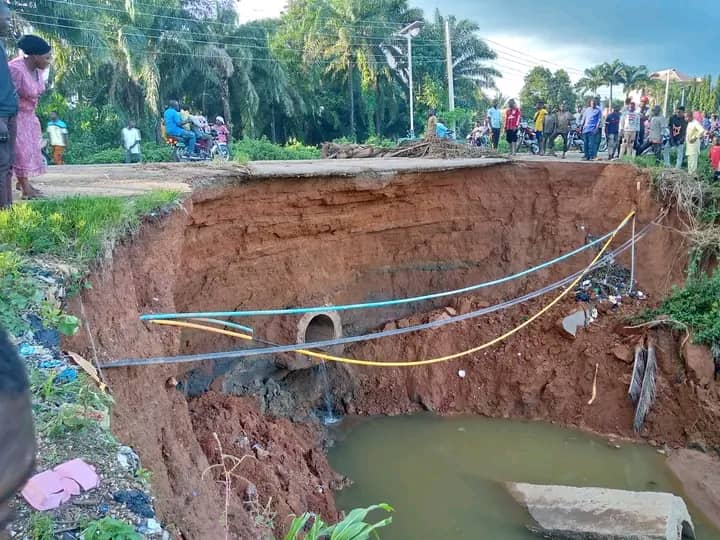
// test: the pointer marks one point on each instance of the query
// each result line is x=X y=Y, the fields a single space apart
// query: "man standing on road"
x=563 y=125
x=512 y=123
x=655 y=134
x=538 y=122
x=57 y=137
x=549 y=127
x=695 y=132
x=678 y=127
x=8 y=110
x=590 y=122
x=131 y=143
x=493 y=119
x=630 y=126
x=612 y=129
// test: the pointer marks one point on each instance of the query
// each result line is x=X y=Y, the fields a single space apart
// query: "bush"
x=264 y=150
x=85 y=153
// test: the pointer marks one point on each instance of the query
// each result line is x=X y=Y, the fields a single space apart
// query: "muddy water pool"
x=443 y=475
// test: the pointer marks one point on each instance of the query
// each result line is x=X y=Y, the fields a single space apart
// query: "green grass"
x=42 y=527
x=77 y=230
x=109 y=528
x=696 y=306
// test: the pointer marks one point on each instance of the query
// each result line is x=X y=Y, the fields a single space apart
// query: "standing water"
x=444 y=476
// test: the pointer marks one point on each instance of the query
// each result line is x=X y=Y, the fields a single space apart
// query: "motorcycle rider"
x=221 y=130
x=174 y=126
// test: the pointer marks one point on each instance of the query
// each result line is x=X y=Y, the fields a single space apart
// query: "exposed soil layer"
x=260 y=244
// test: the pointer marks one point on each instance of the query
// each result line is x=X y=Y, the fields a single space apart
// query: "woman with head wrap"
x=26 y=73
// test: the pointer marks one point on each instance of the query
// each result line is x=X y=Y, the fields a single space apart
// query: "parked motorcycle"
x=205 y=149
x=527 y=138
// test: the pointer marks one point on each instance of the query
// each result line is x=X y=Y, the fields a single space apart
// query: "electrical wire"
x=429 y=361
x=353 y=339
x=381 y=303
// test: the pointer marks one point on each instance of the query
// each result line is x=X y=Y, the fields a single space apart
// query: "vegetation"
x=353 y=527
x=42 y=527
x=76 y=229
x=262 y=149
x=109 y=528
x=553 y=88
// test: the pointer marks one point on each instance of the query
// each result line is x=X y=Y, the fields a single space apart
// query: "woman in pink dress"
x=26 y=73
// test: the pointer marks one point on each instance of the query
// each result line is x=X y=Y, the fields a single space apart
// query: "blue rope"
x=383 y=303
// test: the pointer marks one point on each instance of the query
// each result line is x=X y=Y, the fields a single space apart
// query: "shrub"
x=263 y=149
x=352 y=527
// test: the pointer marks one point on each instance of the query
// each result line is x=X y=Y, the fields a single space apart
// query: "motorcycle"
x=576 y=142
x=527 y=139
x=479 y=137
x=205 y=149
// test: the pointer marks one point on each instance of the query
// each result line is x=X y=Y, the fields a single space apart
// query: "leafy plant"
x=262 y=149
x=353 y=527
x=18 y=292
x=53 y=317
x=143 y=475
x=42 y=527
x=109 y=528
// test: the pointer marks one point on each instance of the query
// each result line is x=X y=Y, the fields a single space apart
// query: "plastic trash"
x=51 y=364
x=136 y=501
x=67 y=375
x=461 y=373
x=49 y=489
x=26 y=349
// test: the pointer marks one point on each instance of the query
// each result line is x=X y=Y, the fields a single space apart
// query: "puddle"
x=442 y=474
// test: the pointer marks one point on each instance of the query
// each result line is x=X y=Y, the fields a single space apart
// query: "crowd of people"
x=628 y=130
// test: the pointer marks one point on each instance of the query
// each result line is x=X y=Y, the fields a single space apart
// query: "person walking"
x=26 y=73
x=563 y=124
x=612 y=131
x=538 y=124
x=131 y=138
x=8 y=110
x=655 y=133
x=57 y=137
x=493 y=119
x=630 y=126
x=549 y=127
x=694 y=134
x=715 y=158
x=512 y=123
x=590 y=122
x=677 y=125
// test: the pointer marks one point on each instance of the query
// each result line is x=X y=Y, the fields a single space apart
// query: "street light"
x=409 y=32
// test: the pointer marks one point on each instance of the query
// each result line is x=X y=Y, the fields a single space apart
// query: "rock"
x=251 y=492
x=153 y=528
x=699 y=363
x=598 y=513
x=451 y=311
x=260 y=452
x=439 y=317
x=570 y=324
x=623 y=353
x=172 y=382
x=403 y=323
x=696 y=442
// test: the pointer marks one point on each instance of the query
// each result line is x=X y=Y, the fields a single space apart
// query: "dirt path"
x=123 y=180
x=700 y=477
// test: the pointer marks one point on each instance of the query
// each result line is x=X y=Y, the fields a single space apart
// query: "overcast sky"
x=576 y=34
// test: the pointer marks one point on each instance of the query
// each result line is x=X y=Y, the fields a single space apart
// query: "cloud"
x=250 y=10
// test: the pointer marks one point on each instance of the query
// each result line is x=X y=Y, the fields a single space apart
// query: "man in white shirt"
x=131 y=142
x=629 y=127
x=693 y=135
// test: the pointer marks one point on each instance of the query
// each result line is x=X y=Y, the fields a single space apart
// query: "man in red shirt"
x=715 y=157
x=512 y=122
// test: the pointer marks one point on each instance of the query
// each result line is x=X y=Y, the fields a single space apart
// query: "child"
x=221 y=130
x=715 y=158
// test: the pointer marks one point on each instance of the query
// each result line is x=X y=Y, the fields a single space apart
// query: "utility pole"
x=409 y=32
x=451 y=84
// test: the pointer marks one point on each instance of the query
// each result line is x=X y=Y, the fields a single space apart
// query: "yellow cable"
x=375 y=363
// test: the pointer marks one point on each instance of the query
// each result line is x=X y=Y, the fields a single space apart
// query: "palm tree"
x=635 y=78
x=613 y=73
x=592 y=80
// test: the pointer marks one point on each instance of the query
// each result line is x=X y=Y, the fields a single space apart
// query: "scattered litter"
x=49 y=489
x=461 y=373
x=572 y=322
x=26 y=349
x=136 y=501
x=67 y=375
x=128 y=459
x=151 y=528
x=50 y=364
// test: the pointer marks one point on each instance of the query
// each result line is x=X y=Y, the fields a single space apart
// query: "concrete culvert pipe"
x=317 y=327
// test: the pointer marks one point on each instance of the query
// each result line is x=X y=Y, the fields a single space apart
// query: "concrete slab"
x=599 y=513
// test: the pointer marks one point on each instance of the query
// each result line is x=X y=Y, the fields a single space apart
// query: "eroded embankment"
x=289 y=242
